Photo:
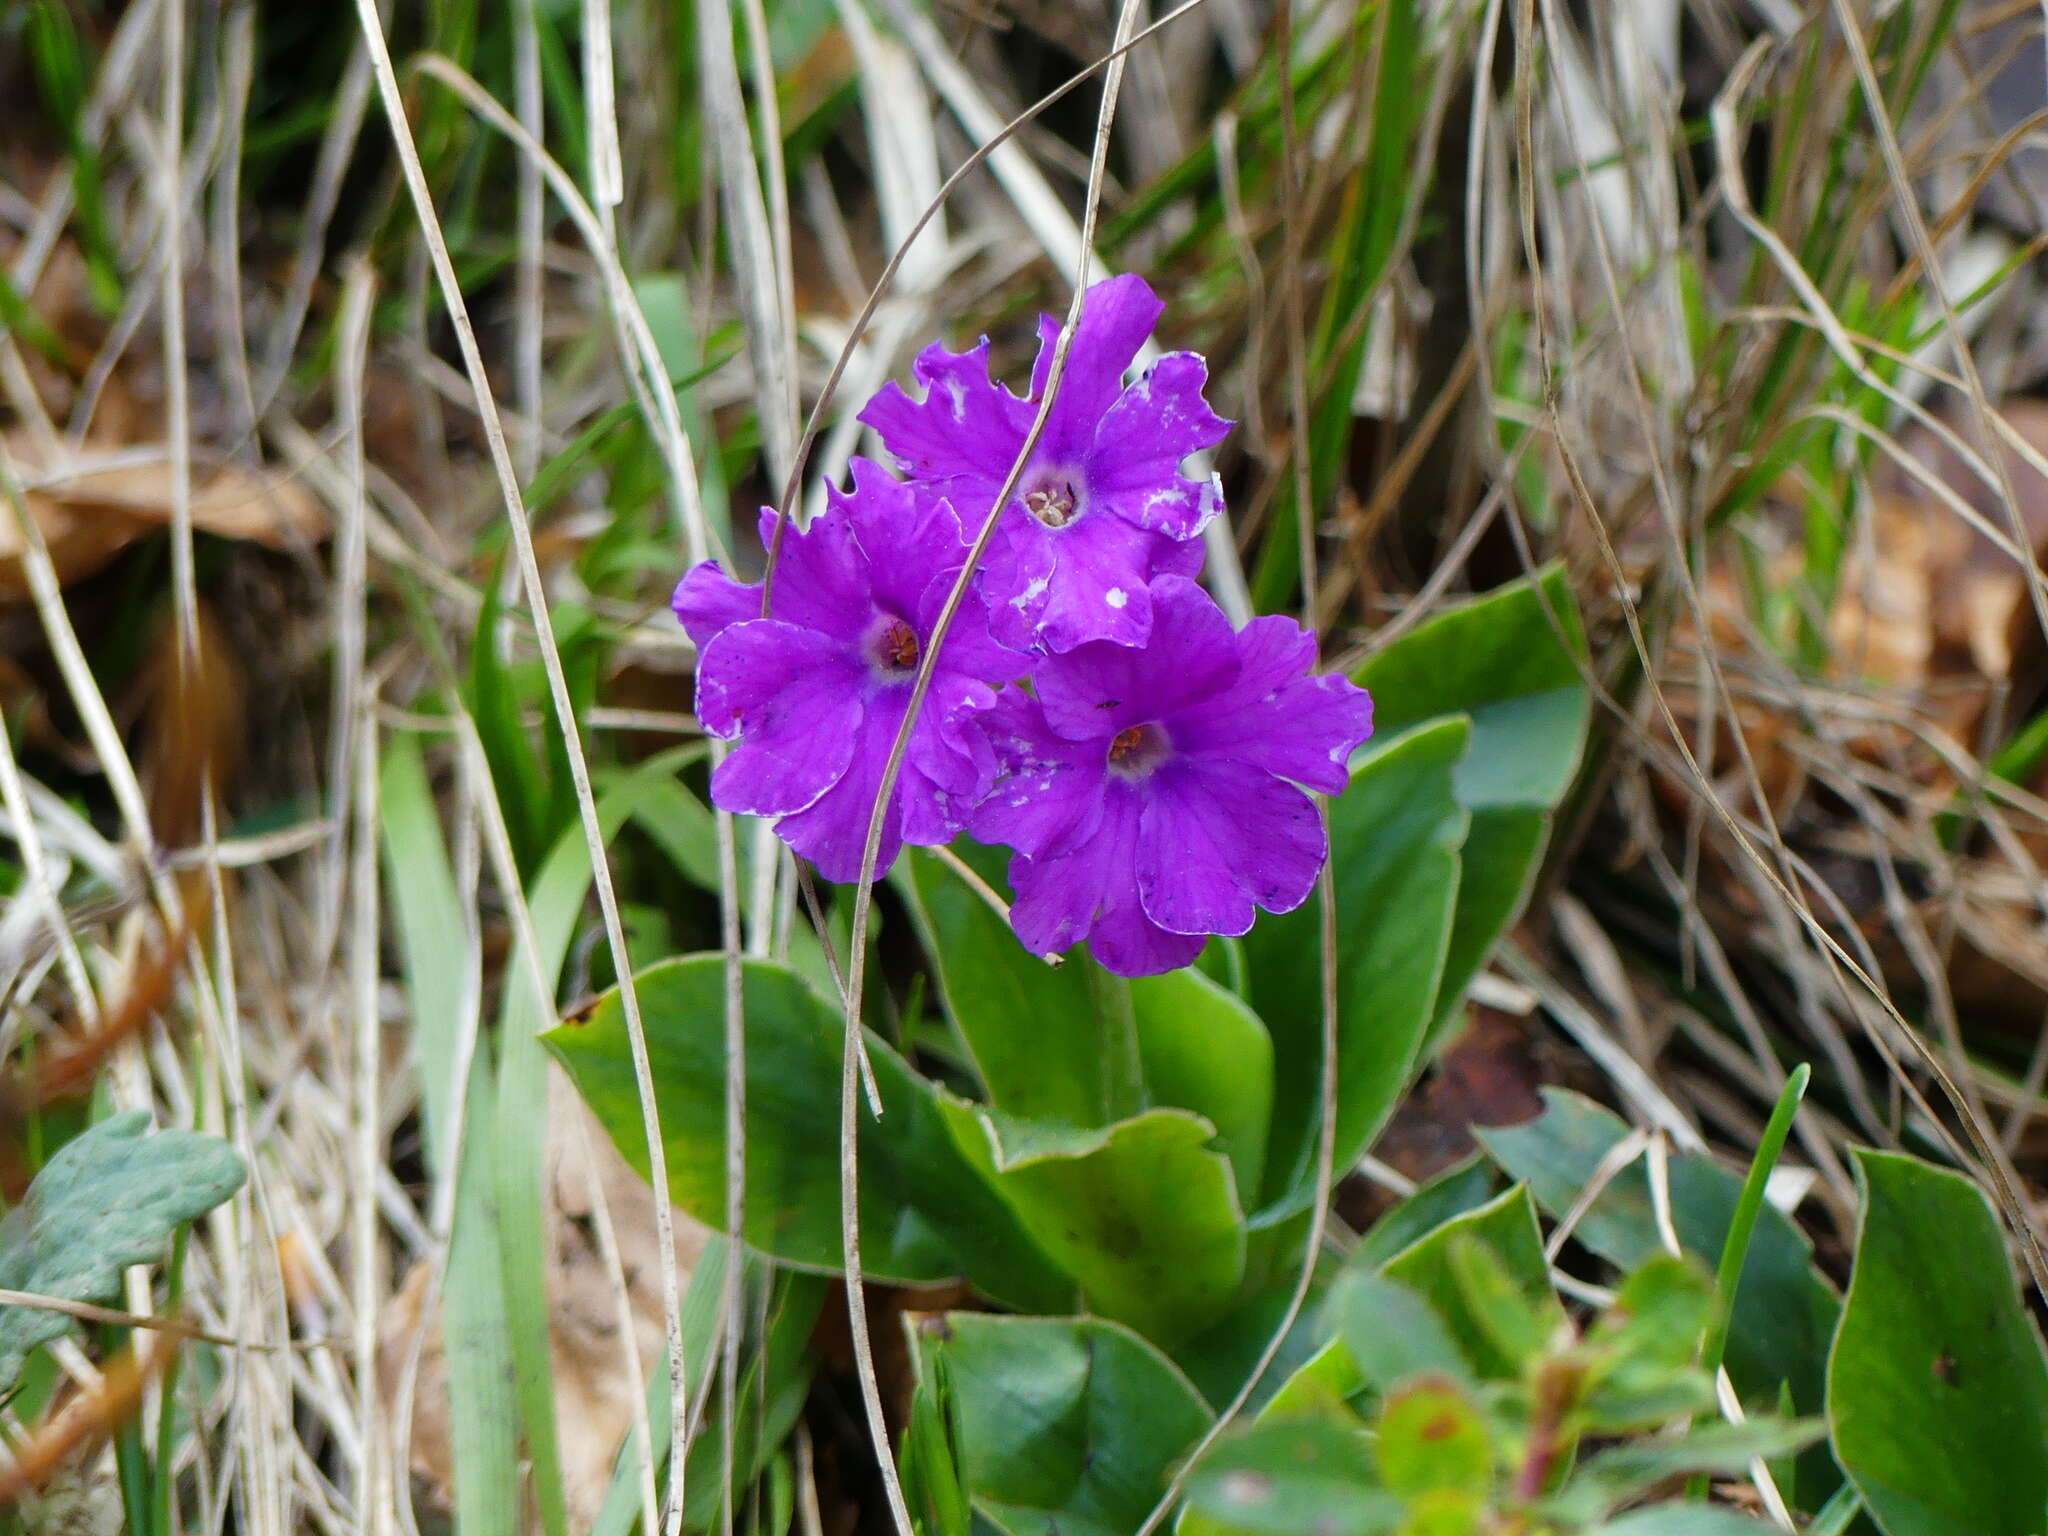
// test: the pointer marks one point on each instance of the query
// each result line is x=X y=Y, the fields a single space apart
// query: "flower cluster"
x=1091 y=707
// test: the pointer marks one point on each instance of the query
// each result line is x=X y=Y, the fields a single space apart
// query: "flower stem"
x=1123 y=1067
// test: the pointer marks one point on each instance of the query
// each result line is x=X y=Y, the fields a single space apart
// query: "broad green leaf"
x=1496 y=870
x=1320 y=1389
x=1645 y=1347
x=1142 y=1214
x=1509 y=661
x=109 y=1197
x=1449 y=1194
x=1037 y=1038
x=1937 y=1389
x=1515 y=1302
x=1394 y=836
x=1204 y=1050
x=1518 y=1321
x=925 y=1212
x=1291 y=1477
x=1031 y=1028
x=1784 y=1311
x=1432 y=1436
x=1063 y=1425
x=1390 y=1333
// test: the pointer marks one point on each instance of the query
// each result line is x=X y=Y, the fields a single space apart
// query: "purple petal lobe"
x=793 y=697
x=964 y=427
x=707 y=600
x=1153 y=425
x=1165 y=503
x=1096 y=690
x=1016 y=577
x=1116 y=317
x=1048 y=791
x=1099 y=587
x=1129 y=943
x=832 y=832
x=1089 y=892
x=907 y=540
x=949 y=754
x=821 y=579
x=1276 y=717
x=1218 y=838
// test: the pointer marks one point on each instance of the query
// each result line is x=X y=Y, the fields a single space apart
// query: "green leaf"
x=926 y=1214
x=932 y=1486
x=110 y=1197
x=1516 y=1320
x=1394 y=837
x=1030 y=1027
x=1496 y=1308
x=1322 y=1388
x=1784 y=1311
x=1432 y=1437
x=1036 y=1034
x=427 y=912
x=1142 y=1214
x=1064 y=1425
x=1390 y=1332
x=1510 y=661
x=1289 y=1477
x=1449 y=1194
x=1614 y=1477
x=1683 y=1520
x=1937 y=1390
x=1659 y=1314
x=1204 y=1050
x=1496 y=871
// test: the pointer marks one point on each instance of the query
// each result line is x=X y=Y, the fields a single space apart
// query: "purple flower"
x=1146 y=789
x=1102 y=507
x=815 y=693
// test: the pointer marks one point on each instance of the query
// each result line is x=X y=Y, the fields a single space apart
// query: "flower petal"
x=1179 y=557
x=1151 y=427
x=1060 y=896
x=1094 y=691
x=1048 y=791
x=1116 y=317
x=964 y=427
x=707 y=600
x=1217 y=838
x=1016 y=575
x=1089 y=892
x=951 y=756
x=1129 y=943
x=832 y=832
x=1278 y=718
x=1166 y=504
x=971 y=648
x=793 y=697
x=909 y=540
x=1100 y=587
x=821 y=577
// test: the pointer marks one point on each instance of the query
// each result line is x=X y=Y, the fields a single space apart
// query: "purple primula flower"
x=1102 y=507
x=815 y=693
x=1146 y=789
